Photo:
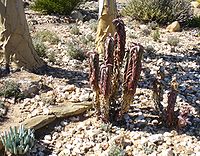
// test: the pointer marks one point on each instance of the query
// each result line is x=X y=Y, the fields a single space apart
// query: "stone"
x=38 y=121
x=195 y=4
x=156 y=138
x=174 y=27
x=77 y=15
x=70 y=109
x=167 y=152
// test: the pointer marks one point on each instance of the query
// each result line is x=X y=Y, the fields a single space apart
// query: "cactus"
x=18 y=142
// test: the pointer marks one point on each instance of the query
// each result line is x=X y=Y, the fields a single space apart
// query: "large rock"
x=65 y=110
x=70 y=109
x=174 y=27
x=39 y=121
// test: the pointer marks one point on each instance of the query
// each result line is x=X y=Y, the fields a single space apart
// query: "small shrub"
x=39 y=46
x=3 y=109
x=116 y=151
x=74 y=30
x=194 y=22
x=47 y=36
x=55 y=6
x=18 y=142
x=160 y=11
x=10 y=89
x=75 y=52
x=173 y=40
x=156 y=35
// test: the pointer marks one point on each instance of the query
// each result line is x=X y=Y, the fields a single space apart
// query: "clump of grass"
x=75 y=52
x=74 y=30
x=47 y=36
x=55 y=6
x=156 y=35
x=39 y=46
x=173 y=40
x=160 y=11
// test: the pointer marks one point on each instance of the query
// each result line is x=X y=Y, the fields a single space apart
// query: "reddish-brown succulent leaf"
x=134 y=67
x=172 y=96
x=131 y=75
x=119 y=39
x=109 y=50
x=94 y=70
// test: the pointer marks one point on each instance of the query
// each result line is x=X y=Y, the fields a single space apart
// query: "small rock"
x=156 y=138
x=77 y=15
x=58 y=145
x=167 y=152
x=47 y=137
x=174 y=27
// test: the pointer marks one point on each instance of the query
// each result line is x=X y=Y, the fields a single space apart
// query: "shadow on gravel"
x=144 y=123
x=73 y=77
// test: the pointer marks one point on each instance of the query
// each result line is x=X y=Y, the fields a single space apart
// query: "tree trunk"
x=15 y=39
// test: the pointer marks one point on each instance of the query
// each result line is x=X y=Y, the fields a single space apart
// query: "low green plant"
x=116 y=151
x=75 y=52
x=74 y=30
x=156 y=35
x=173 y=40
x=160 y=11
x=18 y=142
x=55 y=6
x=39 y=46
x=194 y=21
x=10 y=89
x=47 y=36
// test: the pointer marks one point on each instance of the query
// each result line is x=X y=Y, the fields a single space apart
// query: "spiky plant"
x=158 y=90
x=94 y=75
x=171 y=118
x=131 y=75
x=111 y=98
x=18 y=142
x=106 y=77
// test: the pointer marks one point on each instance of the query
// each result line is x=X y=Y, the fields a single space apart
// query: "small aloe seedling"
x=18 y=142
x=172 y=96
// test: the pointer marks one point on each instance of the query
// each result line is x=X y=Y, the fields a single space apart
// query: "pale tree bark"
x=15 y=40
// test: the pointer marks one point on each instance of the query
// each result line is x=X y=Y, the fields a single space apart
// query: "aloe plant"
x=111 y=103
x=171 y=118
x=18 y=142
